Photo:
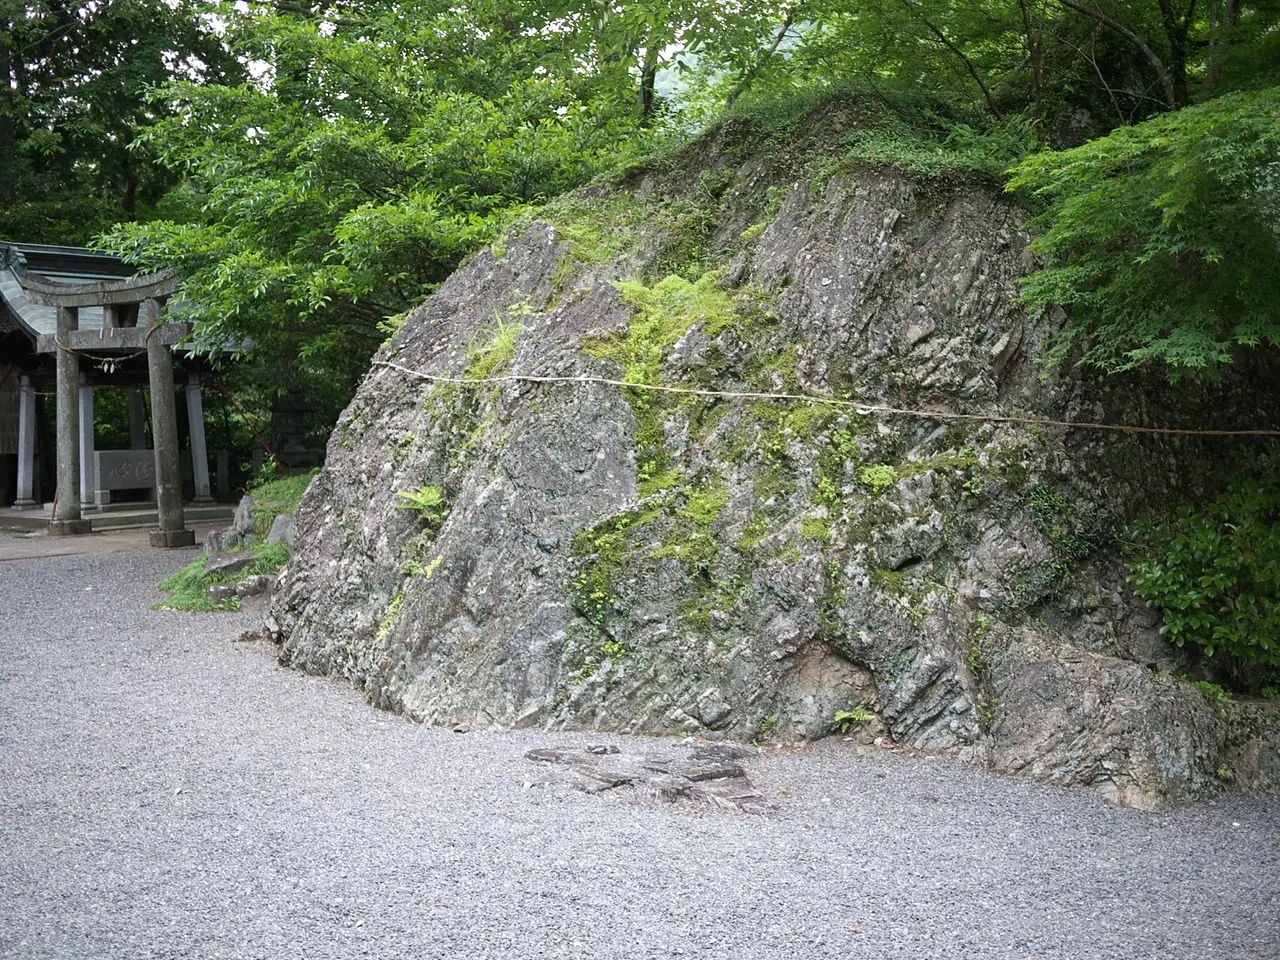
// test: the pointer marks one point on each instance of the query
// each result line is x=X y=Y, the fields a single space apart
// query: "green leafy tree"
x=373 y=149
x=376 y=145
x=1164 y=237
x=1081 y=66
x=72 y=102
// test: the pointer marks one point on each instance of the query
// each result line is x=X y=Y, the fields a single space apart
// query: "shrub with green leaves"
x=1215 y=572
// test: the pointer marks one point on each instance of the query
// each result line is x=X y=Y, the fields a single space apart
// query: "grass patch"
x=948 y=149
x=490 y=356
x=937 y=142
x=276 y=497
x=188 y=589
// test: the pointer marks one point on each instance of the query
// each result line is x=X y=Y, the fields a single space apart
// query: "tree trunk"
x=1222 y=28
x=130 y=191
x=968 y=64
x=648 y=76
x=1177 y=34
x=7 y=132
x=1158 y=65
x=1034 y=54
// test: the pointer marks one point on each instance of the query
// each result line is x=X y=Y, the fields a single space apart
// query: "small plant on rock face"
x=414 y=567
x=988 y=714
x=972 y=489
x=878 y=477
x=857 y=717
x=428 y=501
x=827 y=492
x=489 y=355
x=1216 y=695
x=977 y=633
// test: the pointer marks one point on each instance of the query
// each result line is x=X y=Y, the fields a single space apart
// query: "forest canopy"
x=315 y=170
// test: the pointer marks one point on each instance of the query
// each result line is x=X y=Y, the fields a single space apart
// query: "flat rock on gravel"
x=708 y=773
x=165 y=792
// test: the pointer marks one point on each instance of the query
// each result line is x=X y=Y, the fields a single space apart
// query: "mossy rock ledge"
x=627 y=560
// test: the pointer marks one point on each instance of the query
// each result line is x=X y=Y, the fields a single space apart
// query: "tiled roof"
x=62 y=264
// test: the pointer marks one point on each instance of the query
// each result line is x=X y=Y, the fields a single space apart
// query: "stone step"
x=125 y=520
x=138 y=515
x=24 y=520
x=124 y=506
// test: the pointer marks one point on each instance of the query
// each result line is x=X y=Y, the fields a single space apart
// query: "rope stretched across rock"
x=865 y=409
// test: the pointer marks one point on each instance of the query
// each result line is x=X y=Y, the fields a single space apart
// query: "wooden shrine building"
x=73 y=321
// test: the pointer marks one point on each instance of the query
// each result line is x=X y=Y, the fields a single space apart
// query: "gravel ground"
x=167 y=793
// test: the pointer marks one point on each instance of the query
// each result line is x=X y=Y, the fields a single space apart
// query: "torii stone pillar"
x=164 y=434
x=66 y=514
x=26 y=445
x=199 y=452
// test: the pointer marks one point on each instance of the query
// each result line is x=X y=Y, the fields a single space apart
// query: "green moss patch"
x=599 y=553
x=663 y=313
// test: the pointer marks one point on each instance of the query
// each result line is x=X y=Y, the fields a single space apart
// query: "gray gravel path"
x=166 y=793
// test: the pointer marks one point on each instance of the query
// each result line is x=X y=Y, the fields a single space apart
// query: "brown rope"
x=865 y=409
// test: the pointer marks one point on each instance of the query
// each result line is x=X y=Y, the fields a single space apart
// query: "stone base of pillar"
x=173 y=538
x=69 y=528
x=204 y=499
x=26 y=505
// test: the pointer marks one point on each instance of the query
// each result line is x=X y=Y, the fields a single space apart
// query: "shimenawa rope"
x=864 y=409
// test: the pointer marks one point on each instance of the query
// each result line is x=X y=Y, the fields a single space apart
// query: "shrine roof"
x=70 y=265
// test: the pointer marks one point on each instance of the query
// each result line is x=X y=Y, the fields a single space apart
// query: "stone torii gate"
x=148 y=293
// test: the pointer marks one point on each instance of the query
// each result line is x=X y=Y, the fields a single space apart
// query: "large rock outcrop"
x=643 y=561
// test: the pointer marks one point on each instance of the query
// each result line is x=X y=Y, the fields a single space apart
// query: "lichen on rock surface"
x=620 y=558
